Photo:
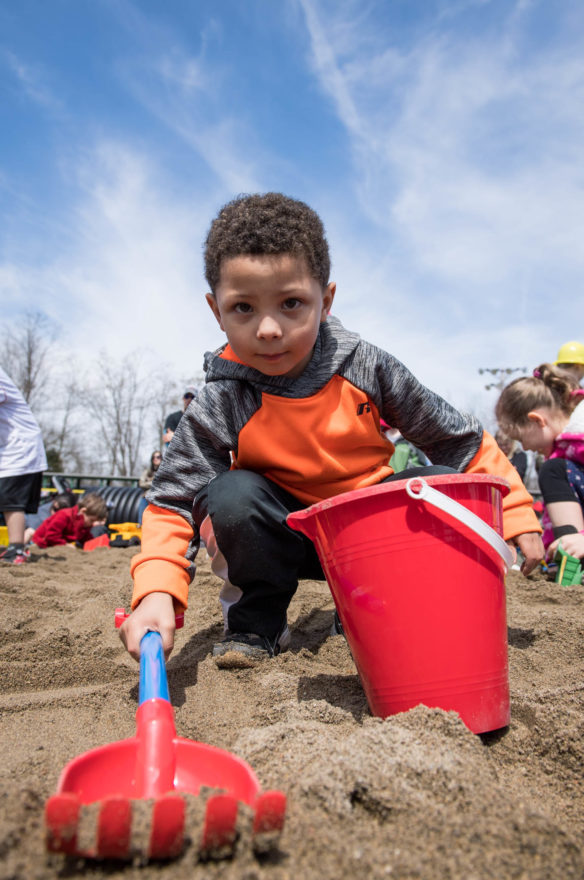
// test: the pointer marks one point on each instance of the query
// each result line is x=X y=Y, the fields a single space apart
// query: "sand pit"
x=415 y=796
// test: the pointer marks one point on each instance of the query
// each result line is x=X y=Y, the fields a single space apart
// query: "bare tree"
x=24 y=353
x=500 y=375
x=62 y=436
x=121 y=404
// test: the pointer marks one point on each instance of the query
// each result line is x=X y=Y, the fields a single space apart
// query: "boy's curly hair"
x=271 y=223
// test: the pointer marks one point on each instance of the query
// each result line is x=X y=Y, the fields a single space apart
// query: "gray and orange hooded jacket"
x=315 y=435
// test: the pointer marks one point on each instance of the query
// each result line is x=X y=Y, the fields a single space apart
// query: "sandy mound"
x=414 y=796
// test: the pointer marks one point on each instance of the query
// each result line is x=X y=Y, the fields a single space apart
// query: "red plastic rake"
x=157 y=764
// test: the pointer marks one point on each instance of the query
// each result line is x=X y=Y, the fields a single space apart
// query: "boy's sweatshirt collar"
x=333 y=345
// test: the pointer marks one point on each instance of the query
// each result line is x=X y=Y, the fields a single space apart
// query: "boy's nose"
x=269 y=328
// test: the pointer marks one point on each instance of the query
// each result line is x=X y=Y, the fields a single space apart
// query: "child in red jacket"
x=72 y=524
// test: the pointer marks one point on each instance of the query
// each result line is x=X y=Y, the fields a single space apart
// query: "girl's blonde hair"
x=549 y=387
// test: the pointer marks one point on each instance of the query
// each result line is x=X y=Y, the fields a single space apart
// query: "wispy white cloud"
x=131 y=274
x=466 y=154
x=185 y=87
x=31 y=79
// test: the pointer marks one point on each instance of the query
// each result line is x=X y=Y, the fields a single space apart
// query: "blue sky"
x=440 y=140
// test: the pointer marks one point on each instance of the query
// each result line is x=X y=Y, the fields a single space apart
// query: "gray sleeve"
x=447 y=436
x=199 y=450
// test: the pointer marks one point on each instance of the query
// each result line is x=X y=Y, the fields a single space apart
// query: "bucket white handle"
x=418 y=488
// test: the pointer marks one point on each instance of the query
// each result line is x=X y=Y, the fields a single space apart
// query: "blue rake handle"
x=153 y=683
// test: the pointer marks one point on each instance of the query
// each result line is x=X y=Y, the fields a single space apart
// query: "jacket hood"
x=333 y=346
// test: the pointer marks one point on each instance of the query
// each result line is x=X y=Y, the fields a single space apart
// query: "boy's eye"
x=291 y=303
x=242 y=308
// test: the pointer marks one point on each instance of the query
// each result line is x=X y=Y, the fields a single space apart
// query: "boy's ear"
x=214 y=308
x=328 y=296
x=537 y=418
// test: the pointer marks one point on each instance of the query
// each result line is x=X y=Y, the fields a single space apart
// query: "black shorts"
x=21 y=493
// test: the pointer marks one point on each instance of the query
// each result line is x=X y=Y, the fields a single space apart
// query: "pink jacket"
x=570 y=443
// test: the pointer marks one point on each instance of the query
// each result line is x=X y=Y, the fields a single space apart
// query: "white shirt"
x=576 y=423
x=21 y=443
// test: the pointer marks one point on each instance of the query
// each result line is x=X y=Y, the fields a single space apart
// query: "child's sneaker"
x=13 y=555
x=337 y=626
x=254 y=646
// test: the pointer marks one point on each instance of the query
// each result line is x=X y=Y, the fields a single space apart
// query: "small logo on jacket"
x=363 y=408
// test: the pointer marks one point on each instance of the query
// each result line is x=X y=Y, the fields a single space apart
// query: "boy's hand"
x=154 y=613
x=572 y=544
x=531 y=547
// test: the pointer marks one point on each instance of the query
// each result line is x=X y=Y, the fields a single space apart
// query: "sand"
x=414 y=796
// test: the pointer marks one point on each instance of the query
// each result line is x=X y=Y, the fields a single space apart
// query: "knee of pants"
x=233 y=495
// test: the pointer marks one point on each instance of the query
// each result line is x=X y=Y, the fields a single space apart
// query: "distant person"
x=57 y=502
x=546 y=413
x=22 y=462
x=72 y=524
x=405 y=454
x=571 y=358
x=147 y=476
x=289 y=415
x=512 y=449
x=146 y=480
x=172 y=420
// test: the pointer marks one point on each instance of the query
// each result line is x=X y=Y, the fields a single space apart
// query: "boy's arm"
x=520 y=524
x=518 y=514
x=164 y=568
x=162 y=564
x=457 y=440
x=162 y=574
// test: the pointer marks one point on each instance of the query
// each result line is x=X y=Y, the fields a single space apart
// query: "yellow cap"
x=571 y=353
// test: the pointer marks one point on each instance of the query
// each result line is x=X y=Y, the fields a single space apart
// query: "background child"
x=571 y=358
x=72 y=524
x=22 y=462
x=546 y=413
x=512 y=449
x=55 y=503
x=289 y=415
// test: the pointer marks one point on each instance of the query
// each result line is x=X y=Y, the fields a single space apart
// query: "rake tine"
x=61 y=820
x=168 y=821
x=219 y=831
x=114 y=828
x=270 y=812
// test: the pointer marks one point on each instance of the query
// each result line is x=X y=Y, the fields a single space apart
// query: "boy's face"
x=270 y=307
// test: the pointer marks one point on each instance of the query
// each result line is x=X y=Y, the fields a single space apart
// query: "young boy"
x=289 y=415
x=72 y=524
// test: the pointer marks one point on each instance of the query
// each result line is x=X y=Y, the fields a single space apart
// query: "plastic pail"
x=420 y=593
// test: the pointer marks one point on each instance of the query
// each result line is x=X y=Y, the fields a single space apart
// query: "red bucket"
x=416 y=568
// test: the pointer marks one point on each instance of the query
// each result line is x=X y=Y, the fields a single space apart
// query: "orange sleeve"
x=518 y=514
x=161 y=565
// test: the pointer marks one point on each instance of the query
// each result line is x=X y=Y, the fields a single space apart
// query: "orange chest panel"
x=319 y=446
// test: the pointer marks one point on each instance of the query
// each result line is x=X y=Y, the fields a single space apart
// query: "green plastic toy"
x=569 y=571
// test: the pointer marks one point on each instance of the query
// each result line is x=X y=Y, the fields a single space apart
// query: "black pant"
x=265 y=557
